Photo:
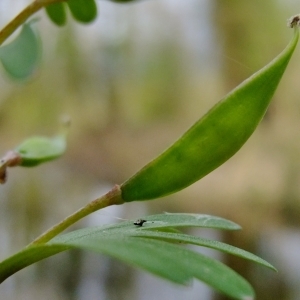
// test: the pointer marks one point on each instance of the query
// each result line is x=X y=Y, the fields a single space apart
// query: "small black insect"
x=139 y=222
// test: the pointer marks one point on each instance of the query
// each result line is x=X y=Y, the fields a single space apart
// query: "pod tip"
x=294 y=21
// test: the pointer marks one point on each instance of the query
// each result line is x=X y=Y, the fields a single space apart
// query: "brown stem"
x=23 y=16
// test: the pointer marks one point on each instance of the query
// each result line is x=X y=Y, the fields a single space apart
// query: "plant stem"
x=23 y=16
x=113 y=197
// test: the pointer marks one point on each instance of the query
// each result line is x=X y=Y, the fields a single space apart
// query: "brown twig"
x=20 y=19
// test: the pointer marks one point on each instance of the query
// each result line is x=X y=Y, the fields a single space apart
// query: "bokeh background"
x=132 y=82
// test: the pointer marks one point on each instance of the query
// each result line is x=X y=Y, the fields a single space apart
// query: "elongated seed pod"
x=212 y=140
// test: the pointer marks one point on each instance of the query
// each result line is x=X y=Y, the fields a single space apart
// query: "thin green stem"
x=26 y=13
x=111 y=198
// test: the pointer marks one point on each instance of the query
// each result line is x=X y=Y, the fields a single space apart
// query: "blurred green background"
x=133 y=82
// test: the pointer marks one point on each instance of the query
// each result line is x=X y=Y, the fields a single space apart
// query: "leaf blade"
x=150 y=247
x=173 y=220
x=172 y=262
x=159 y=221
x=199 y=241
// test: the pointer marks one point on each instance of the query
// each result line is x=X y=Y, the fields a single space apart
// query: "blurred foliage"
x=20 y=57
x=84 y=11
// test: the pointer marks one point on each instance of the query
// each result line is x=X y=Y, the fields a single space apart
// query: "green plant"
x=148 y=243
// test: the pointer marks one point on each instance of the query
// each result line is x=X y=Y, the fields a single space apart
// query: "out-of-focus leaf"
x=57 y=13
x=20 y=57
x=84 y=11
x=39 y=149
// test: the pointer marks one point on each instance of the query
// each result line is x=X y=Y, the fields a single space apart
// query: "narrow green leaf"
x=20 y=57
x=157 y=222
x=199 y=241
x=153 y=229
x=166 y=260
x=141 y=254
x=39 y=149
x=84 y=11
x=57 y=13
x=151 y=247
x=171 y=262
x=214 y=138
x=188 y=220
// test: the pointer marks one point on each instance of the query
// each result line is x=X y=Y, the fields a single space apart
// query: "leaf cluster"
x=155 y=246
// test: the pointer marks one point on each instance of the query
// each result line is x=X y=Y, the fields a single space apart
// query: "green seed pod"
x=214 y=138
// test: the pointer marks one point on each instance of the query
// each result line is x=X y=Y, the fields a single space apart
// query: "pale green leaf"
x=39 y=149
x=20 y=57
